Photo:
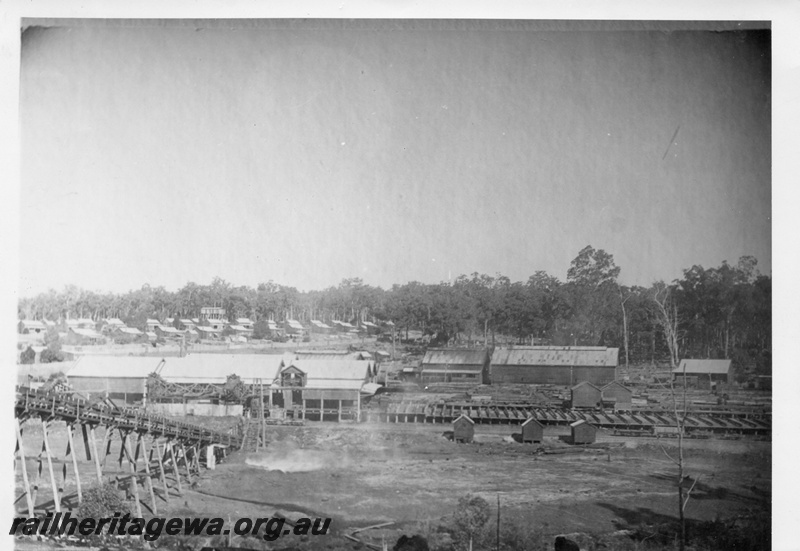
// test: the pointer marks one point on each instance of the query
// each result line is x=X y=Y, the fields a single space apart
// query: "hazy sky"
x=307 y=152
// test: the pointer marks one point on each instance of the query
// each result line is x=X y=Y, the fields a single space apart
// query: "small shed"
x=532 y=431
x=585 y=395
x=583 y=432
x=463 y=429
x=618 y=395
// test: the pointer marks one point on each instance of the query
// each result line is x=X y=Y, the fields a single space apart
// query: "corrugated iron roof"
x=33 y=324
x=710 y=367
x=455 y=356
x=334 y=374
x=215 y=368
x=124 y=367
x=556 y=356
x=294 y=324
x=586 y=383
x=129 y=330
x=531 y=419
x=89 y=333
x=317 y=323
x=115 y=322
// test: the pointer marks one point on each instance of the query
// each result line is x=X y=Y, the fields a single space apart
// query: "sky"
x=164 y=152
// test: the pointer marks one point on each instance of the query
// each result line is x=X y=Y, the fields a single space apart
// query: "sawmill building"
x=556 y=365
x=442 y=365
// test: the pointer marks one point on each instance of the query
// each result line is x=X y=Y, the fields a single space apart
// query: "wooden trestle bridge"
x=644 y=421
x=158 y=451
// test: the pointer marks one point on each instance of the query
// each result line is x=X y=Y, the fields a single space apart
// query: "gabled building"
x=617 y=396
x=463 y=429
x=294 y=327
x=585 y=395
x=705 y=371
x=322 y=389
x=31 y=327
x=320 y=327
x=582 y=432
x=556 y=365
x=442 y=365
x=532 y=431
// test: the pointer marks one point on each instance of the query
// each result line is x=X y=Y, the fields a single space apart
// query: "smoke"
x=290 y=459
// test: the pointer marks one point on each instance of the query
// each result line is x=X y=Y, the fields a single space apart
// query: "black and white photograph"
x=393 y=282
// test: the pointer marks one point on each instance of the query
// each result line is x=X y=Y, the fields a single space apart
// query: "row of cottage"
x=87 y=331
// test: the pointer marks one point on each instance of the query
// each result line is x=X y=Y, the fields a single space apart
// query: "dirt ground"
x=412 y=475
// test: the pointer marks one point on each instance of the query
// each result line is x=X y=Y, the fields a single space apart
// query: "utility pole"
x=498 y=521
x=263 y=420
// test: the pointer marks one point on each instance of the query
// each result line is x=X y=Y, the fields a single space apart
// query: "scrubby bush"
x=28 y=356
x=102 y=502
x=470 y=521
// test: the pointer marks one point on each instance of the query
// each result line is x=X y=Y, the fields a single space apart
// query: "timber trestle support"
x=153 y=452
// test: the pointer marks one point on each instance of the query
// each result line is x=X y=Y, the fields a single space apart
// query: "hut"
x=585 y=395
x=556 y=365
x=617 y=396
x=463 y=429
x=582 y=432
x=532 y=430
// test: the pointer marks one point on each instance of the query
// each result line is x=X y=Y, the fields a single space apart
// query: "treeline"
x=722 y=312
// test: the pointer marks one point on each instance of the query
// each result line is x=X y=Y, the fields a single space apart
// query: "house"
x=212 y=313
x=30 y=327
x=320 y=327
x=582 y=432
x=343 y=326
x=585 y=395
x=150 y=325
x=617 y=396
x=208 y=332
x=242 y=331
x=532 y=431
x=707 y=372
x=185 y=324
x=461 y=365
x=293 y=327
x=556 y=365
x=246 y=323
x=110 y=325
x=370 y=328
x=169 y=332
x=125 y=334
x=79 y=336
x=463 y=429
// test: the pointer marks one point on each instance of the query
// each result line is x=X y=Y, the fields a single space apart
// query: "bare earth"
x=410 y=474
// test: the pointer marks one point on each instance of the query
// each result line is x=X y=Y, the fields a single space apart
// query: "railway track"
x=641 y=420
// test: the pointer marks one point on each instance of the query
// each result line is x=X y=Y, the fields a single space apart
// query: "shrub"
x=28 y=356
x=101 y=502
x=470 y=520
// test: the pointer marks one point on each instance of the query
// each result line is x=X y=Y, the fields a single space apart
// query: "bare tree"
x=623 y=299
x=665 y=312
x=678 y=459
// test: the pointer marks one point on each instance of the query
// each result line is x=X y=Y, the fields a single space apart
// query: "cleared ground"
x=412 y=475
